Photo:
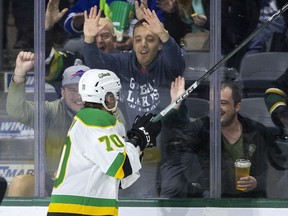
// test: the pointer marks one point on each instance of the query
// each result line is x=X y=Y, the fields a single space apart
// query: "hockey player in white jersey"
x=96 y=160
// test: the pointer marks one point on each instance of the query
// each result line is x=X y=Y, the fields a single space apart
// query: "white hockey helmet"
x=95 y=85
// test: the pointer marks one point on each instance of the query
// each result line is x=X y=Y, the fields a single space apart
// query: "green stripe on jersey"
x=274 y=100
x=87 y=201
x=95 y=117
x=115 y=170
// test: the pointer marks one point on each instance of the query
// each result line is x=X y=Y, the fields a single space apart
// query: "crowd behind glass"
x=179 y=166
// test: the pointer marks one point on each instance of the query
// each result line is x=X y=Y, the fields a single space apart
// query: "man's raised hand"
x=91 y=24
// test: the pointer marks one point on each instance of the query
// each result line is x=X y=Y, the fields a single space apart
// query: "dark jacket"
x=142 y=90
x=258 y=144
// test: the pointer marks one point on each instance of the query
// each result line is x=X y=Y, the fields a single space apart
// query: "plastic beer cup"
x=242 y=169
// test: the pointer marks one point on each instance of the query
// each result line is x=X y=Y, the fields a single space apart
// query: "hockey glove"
x=144 y=132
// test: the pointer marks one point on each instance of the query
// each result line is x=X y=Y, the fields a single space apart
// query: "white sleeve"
x=133 y=154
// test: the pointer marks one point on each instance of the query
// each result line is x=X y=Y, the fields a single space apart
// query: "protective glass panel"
x=16 y=129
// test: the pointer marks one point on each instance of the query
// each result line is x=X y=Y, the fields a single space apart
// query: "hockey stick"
x=218 y=65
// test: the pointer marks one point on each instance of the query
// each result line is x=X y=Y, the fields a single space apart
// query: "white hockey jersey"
x=91 y=165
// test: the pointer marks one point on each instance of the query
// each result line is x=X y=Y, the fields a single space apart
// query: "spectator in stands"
x=260 y=43
x=58 y=114
x=181 y=17
x=146 y=71
x=57 y=60
x=240 y=138
x=23 y=14
x=238 y=19
x=74 y=20
x=53 y=15
x=24 y=22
